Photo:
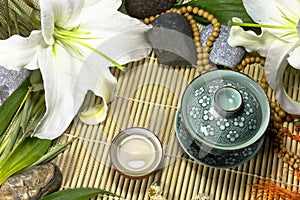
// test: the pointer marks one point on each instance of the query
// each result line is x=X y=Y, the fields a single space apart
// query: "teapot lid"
x=225 y=110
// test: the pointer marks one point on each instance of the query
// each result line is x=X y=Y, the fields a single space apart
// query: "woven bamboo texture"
x=148 y=95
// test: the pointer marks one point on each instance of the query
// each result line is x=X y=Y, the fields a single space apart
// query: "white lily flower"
x=78 y=41
x=278 y=41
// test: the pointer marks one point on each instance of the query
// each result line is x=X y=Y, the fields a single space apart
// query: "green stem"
x=4 y=143
x=35 y=120
x=13 y=129
x=12 y=104
x=231 y=23
x=22 y=103
x=11 y=139
x=26 y=111
x=38 y=105
x=101 y=54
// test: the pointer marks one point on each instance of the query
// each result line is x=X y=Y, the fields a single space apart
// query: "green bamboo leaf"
x=12 y=133
x=53 y=152
x=11 y=105
x=223 y=10
x=35 y=120
x=76 y=194
x=26 y=153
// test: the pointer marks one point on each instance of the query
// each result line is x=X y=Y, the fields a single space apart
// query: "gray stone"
x=221 y=52
x=172 y=40
x=146 y=8
x=10 y=80
x=33 y=184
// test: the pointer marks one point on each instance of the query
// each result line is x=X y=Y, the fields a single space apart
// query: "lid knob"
x=228 y=101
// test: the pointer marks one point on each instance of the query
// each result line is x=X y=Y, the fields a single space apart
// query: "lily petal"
x=113 y=4
x=260 y=10
x=94 y=115
x=276 y=63
x=17 y=52
x=101 y=82
x=59 y=72
x=63 y=14
x=129 y=32
x=277 y=13
x=100 y=23
x=270 y=11
x=250 y=40
x=294 y=58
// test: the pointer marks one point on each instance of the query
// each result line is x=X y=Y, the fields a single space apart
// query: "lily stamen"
x=67 y=38
x=74 y=34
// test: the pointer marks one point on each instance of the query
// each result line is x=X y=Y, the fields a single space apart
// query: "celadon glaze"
x=225 y=110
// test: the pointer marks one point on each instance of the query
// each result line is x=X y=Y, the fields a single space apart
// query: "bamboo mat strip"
x=148 y=95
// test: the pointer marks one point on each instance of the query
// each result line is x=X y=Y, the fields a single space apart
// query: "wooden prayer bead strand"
x=278 y=115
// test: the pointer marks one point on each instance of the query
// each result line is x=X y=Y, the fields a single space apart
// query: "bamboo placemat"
x=148 y=95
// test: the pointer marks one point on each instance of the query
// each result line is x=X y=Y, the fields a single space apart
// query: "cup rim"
x=224 y=111
x=142 y=132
